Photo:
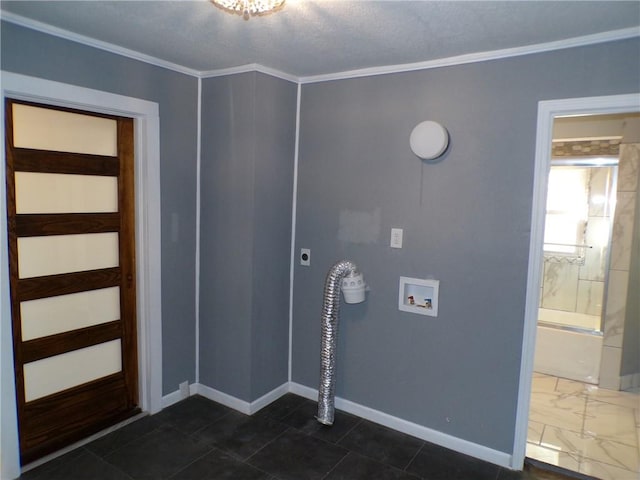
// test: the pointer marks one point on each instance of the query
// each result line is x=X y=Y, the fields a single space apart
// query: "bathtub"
x=568 y=352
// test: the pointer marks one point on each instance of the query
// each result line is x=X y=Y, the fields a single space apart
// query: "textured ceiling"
x=309 y=38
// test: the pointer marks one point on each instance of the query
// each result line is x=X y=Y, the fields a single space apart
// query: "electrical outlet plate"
x=396 y=238
x=305 y=257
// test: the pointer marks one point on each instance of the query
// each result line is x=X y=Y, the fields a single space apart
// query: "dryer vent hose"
x=330 y=314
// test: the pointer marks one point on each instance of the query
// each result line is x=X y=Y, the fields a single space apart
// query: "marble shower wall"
x=620 y=265
x=576 y=286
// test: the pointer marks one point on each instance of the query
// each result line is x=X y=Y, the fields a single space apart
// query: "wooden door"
x=70 y=209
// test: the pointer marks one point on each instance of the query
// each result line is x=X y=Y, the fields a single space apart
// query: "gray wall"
x=466 y=221
x=248 y=141
x=36 y=54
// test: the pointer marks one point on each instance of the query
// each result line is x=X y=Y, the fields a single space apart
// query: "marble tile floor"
x=197 y=439
x=584 y=428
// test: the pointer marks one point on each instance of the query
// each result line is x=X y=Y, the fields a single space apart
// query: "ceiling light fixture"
x=249 y=8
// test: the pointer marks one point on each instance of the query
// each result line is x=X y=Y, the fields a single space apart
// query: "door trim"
x=547 y=110
x=147 y=235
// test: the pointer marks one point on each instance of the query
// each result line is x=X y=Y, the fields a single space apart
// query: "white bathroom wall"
x=617 y=292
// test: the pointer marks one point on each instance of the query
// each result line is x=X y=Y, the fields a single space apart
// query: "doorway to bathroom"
x=583 y=408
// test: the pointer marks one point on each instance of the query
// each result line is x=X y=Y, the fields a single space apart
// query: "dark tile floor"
x=198 y=439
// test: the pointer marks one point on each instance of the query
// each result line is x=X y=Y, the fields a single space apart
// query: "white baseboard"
x=171 y=398
x=268 y=398
x=225 y=399
x=242 y=406
x=454 y=443
x=248 y=408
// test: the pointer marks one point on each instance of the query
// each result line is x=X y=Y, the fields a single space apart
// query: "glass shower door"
x=580 y=206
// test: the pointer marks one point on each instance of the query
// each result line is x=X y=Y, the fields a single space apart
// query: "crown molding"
x=92 y=42
x=595 y=38
x=250 y=67
x=585 y=40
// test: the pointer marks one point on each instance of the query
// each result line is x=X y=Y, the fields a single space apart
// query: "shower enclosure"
x=578 y=228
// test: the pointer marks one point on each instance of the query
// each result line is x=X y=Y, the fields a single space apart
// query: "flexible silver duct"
x=330 y=312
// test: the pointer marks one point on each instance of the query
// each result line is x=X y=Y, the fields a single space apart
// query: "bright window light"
x=567 y=209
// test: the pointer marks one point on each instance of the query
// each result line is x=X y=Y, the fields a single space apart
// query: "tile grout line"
x=103 y=460
x=211 y=449
x=207 y=425
x=498 y=474
x=414 y=457
x=544 y=429
x=295 y=409
x=348 y=432
x=120 y=447
x=336 y=465
x=246 y=460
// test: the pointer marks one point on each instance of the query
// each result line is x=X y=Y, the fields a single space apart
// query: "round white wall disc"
x=429 y=140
